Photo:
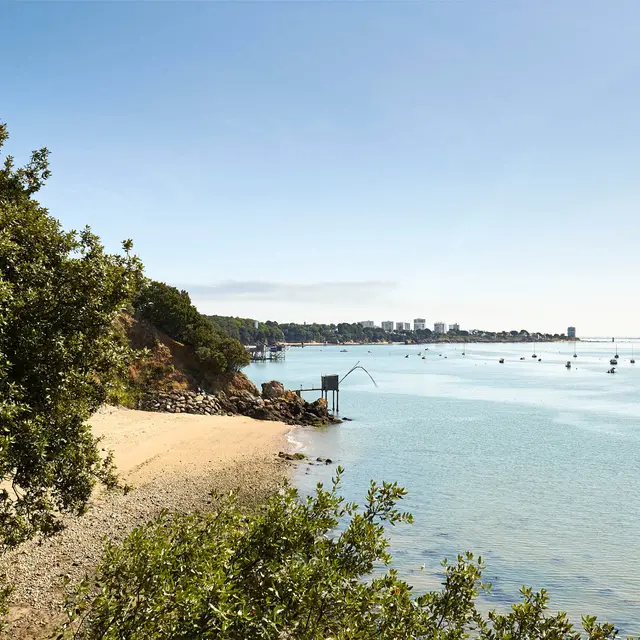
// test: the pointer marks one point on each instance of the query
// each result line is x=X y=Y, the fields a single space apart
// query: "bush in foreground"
x=285 y=572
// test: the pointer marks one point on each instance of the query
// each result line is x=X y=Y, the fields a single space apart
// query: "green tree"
x=60 y=293
x=287 y=572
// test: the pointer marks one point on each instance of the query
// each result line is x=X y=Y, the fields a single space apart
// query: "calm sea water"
x=531 y=465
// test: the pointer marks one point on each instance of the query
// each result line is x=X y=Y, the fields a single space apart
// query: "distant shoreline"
x=475 y=340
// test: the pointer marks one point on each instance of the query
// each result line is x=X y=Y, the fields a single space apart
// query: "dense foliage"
x=287 y=572
x=245 y=330
x=340 y=333
x=345 y=332
x=59 y=295
x=171 y=311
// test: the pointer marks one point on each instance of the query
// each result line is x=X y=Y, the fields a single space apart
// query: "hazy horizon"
x=465 y=162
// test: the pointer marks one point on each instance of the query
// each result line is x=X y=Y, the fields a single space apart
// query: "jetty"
x=264 y=353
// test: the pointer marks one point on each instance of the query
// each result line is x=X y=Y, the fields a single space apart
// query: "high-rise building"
x=399 y=326
x=367 y=324
x=419 y=324
x=440 y=327
x=406 y=326
x=571 y=332
x=454 y=327
x=387 y=325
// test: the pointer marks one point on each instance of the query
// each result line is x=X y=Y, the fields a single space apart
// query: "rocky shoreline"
x=275 y=403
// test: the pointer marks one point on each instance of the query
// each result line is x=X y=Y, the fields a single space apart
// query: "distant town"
x=419 y=324
x=440 y=328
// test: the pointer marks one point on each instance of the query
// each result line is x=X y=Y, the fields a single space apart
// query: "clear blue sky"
x=471 y=161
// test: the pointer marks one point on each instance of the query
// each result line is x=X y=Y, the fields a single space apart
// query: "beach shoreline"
x=173 y=461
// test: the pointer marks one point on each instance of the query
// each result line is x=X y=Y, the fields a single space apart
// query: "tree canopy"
x=59 y=295
x=245 y=330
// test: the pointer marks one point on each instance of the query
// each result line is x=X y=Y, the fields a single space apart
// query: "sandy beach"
x=173 y=461
x=147 y=445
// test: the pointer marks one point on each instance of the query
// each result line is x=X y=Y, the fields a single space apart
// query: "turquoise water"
x=531 y=465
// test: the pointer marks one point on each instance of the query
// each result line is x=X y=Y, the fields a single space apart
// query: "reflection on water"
x=532 y=465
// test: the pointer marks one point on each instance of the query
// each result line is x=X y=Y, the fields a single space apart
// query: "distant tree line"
x=245 y=330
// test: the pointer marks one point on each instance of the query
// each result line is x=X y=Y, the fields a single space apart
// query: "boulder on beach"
x=273 y=390
x=277 y=405
x=318 y=407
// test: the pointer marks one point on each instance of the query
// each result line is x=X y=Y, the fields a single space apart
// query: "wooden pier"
x=265 y=353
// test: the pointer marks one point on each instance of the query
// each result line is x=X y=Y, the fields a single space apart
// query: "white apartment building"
x=367 y=324
x=406 y=326
x=419 y=324
x=387 y=325
x=440 y=327
x=454 y=327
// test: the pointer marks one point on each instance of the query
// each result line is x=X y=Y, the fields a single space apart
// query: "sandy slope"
x=173 y=461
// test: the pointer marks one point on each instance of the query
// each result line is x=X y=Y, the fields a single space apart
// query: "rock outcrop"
x=275 y=404
x=272 y=390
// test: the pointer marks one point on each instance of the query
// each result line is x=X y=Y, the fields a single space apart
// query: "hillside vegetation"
x=171 y=311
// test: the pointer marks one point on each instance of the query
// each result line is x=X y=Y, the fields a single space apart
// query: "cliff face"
x=167 y=365
x=167 y=377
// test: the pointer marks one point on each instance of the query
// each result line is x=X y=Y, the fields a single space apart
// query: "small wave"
x=296 y=444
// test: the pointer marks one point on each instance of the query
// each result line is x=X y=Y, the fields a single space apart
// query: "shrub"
x=285 y=572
